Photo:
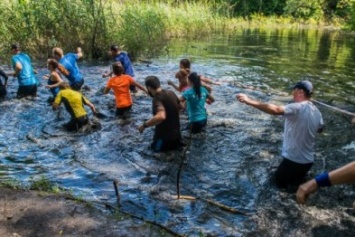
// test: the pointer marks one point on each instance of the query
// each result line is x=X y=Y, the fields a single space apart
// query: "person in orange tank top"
x=120 y=84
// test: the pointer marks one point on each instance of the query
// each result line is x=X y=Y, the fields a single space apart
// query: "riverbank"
x=35 y=213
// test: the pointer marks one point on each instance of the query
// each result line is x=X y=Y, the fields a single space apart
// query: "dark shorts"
x=290 y=173
x=160 y=145
x=2 y=91
x=123 y=111
x=24 y=91
x=196 y=127
x=77 y=123
x=77 y=85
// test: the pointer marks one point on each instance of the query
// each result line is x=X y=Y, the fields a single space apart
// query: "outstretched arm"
x=92 y=107
x=342 y=175
x=209 y=81
x=140 y=87
x=265 y=107
x=170 y=83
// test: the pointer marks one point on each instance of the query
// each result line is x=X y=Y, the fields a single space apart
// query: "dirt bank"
x=32 y=213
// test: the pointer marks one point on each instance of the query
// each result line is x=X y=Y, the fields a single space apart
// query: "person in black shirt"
x=166 y=107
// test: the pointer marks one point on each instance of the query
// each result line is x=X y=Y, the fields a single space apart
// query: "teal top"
x=26 y=77
x=196 y=106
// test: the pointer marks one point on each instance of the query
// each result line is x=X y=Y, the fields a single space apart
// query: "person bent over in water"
x=166 y=107
x=120 y=84
x=303 y=121
x=74 y=104
x=72 y=72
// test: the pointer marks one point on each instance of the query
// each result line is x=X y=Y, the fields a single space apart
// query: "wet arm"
x=140 y=87
x=57 y=79
x=343 y=175
x=158 y=118
x=211 y=98
x=209 y=81
x=265 y=107
x=106 y=90
x=18 y=68
x=92 y=107
x=173 y=85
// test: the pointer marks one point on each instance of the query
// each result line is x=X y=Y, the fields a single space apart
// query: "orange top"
x=120 y=86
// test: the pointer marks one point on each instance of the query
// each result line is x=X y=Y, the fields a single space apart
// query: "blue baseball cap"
x=306 y=86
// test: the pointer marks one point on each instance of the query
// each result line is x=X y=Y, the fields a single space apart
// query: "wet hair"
x=56 y=65
x=152 y=82
x=196 y=82
x=117 y=69
x=186 y=64
x=114 y=47
x=15 y=46
x=64 y=85
x=58 y=51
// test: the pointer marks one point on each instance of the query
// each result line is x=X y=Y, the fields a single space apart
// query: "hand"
x=305 y=190
x=141 y=128
x=170 y=83
x=242 y=98
x=217 y=83
x=46 y=76
x=47 y=86
x=104 y=75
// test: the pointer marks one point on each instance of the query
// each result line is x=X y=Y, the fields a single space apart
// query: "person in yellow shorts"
x=74 y=103
x=121 y=84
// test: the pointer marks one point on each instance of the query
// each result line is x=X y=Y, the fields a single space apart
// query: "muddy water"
x=231 y=163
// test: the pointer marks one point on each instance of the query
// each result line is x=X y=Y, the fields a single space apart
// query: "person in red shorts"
x=120 y=84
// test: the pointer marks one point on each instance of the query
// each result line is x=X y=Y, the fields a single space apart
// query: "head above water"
x=195 y=82
x=117 y=68
x=57 y=53
x=185 y=64
x=64 y=85
x=305 y=86
x=115 y=48
x=15 y=48
x=153 y=85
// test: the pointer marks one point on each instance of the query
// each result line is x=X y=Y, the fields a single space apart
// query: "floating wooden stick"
x=214 y=203
x=115 y=185
x=182 y=162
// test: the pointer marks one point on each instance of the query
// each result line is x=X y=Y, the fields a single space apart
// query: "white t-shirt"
x=303 y=120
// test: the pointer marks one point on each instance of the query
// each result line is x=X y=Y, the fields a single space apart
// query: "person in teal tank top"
x=24 y=72
x=195 y=98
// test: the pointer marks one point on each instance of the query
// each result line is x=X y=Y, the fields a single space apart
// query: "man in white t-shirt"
x=303 y=121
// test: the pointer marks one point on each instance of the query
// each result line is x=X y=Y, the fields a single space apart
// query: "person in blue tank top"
x=122 y=57
x=68 y=61
x=24 y=72
x=195 y=98
x=54 y=78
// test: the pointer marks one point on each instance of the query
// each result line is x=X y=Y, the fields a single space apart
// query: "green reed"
x=142 y=27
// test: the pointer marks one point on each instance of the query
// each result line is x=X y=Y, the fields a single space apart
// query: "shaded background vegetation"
x=144 y=26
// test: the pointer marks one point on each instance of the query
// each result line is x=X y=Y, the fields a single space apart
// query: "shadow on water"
x=231 y=163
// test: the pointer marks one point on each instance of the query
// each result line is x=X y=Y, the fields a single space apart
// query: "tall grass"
x=142 y=27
